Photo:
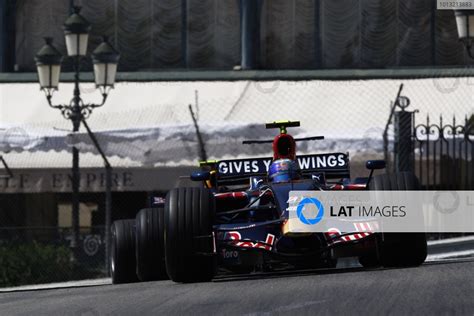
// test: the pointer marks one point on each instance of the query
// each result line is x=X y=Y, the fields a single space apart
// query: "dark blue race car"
x=235 y=220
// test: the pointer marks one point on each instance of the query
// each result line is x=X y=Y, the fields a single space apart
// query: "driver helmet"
x=283 y=170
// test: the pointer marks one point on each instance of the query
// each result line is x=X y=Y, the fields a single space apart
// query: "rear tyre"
x=370 y=261
x=122 y=252
x=398 y=249
x=150 y=253
x=330 y=263
x=189 y=243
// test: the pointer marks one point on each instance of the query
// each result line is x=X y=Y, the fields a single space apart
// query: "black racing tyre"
x=188 y=183
x=150 y=252
x=399 y=249
x=330 y=263
x=189 y=244
x=370 y=260
x=122 y=252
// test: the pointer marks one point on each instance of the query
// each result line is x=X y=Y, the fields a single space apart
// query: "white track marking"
x=450 y=255
x=57 y=285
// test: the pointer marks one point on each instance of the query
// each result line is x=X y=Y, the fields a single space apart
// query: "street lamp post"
x=48 y=60
x=465 y=25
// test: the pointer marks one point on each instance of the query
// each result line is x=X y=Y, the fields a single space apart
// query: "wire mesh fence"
x=31 y=255
x=35 y=235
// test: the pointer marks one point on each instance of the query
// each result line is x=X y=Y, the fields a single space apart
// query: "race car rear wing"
x=333 y=165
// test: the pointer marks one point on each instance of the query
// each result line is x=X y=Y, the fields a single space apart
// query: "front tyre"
x=189 y=242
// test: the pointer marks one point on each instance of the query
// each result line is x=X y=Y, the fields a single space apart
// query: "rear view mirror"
x=200 y=175
x=375 y=164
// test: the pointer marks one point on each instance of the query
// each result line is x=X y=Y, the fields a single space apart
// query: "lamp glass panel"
x=49 y=76
x=471 y=26
x=72 y=42
x=462 y=26
x=465 y=30
x=105 y=74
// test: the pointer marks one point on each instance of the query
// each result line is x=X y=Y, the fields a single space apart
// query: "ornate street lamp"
x=465 y=24
x=105 y=59
x=76 y=31
x=48 y=61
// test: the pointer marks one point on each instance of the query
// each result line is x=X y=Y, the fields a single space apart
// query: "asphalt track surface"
x=436 y=288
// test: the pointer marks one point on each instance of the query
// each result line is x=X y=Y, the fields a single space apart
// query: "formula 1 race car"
x=235 y=220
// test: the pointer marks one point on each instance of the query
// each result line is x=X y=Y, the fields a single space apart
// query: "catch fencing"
x=444 y=151
x=32 y=255
x=36 y=248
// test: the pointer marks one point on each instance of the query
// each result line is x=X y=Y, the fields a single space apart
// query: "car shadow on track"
x=298 y=273
x=285 y=274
